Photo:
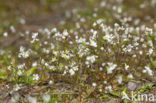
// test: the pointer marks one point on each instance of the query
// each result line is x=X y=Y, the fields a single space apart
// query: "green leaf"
x=31 y=71
x=30 y=80
x=115 y=94
x=125 y=89
x=153 y=62
x=146 y=88
x=134 y=101
x=125 y=101
x=3 y=74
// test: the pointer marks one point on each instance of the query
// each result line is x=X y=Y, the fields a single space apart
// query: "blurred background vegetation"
x=12 y=11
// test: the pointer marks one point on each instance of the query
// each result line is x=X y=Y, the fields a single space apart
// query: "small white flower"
x=5 y=34
x=105 y=82
x=108 y=37
x=94 y=24
x=46 y=64
x=34 y=64
x=149 y=71
x=65 y=33
x=111 y=67
x=150 y=51
x=32 y=99
x=144 y=71
x=91 y=58
x=12 y=29
x=51 y=67
x=140 y=52
x=102 y=48
x=72 y=72
x=130 y=76
x=54 y=59
x=54 y=30
x=108 y=88
x=34 y=37
x=75 y=68
x=35 y=77
x=103 y=64
x=19 y=72
x=116 y=25
x=51 y=82
x=134 y=55
x=100 y=90
x=17 y=87
x=46 y=98
x=52 y=46
x=120 y=79
x=22 y=21
x=119 y=10
x=93 y=43
x=103 y=3
x=23 y=53
x=101 y=68
x=21 y=66
x=94 y=84
x=126 y=66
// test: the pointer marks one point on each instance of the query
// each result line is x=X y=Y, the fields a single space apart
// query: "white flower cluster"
x=100 y=49
x=34 y=37
x=111 y=67
x=23 y=53
x=148 y=70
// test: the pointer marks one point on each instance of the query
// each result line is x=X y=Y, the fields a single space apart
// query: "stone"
x=132 y=86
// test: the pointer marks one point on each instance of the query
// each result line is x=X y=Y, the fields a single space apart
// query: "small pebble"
x=132 y=86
